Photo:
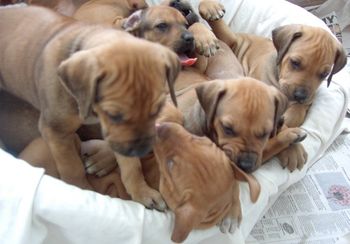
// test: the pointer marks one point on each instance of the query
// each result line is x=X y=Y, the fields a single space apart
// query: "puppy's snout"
x=247 y=161
x=136 y=148
x=300 y=94
x=187 y=37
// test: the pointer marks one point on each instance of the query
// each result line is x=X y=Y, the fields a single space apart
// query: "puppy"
x=76 y=73
x=296 y=61
x=180 y=174
x=240 y=116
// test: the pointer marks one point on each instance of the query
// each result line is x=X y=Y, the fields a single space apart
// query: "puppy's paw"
x=211 y=10
x=294 y=157
x=150 y=198
x=98 y=157
x=291 y=136
x=228 y=225
x=206 y=42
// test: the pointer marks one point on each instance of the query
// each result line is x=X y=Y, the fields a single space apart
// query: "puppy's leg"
x=206 y=42
x=66 y=155
x=211 y=9
x=294 y=157
x=234 y=217
x=295 y=114
x=135 y=184
x=282 y=141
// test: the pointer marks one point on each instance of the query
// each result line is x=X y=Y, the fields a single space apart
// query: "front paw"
x=291 y=136
x=211 y=10
x=228 y=225
x=149 y=197
x=206 y=42
x=294 y=157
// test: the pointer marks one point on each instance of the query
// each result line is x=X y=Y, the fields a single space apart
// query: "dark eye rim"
x=228 y=130
x=263 y=135
x=162 y=26
x=295 y=63
x=116 y=118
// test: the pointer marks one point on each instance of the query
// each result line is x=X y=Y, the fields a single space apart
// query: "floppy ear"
x=133 y=22
x=80 y=74
x=281 y=104
x=172 y=69
x=254 y=185
x=209 y=95
x=339 y=62
x=186 y=218
x=283 y=37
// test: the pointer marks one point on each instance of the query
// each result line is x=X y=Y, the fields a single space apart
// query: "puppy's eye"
x=262 y=135
x=228 y=131
x=323 y=75
x=116 y=118
x=295 y=63
x=163 y=27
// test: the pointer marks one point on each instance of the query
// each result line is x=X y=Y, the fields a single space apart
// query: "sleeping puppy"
x=296 y=61
x=77 y=74
x=181 y=175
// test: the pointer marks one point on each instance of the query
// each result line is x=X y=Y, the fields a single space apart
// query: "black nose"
x=137 y=148
x=300 y=94
x=187 y=37
x=247 y=161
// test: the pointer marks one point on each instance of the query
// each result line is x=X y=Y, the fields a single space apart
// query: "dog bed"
x=35 y=208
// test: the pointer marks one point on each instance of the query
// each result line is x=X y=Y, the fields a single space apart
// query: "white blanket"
x=35 y=208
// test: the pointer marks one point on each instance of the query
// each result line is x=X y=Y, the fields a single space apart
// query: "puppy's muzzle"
x=185 y=44
x=247 y=161
x=300 y=94
x=135 y=148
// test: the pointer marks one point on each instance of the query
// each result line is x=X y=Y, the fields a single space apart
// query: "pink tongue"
x=186 y=61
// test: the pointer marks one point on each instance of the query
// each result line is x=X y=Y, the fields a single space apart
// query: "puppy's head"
x=123 y=84
x=306 y=56
x=196 y=179
x=165 y=25
x=241 y=115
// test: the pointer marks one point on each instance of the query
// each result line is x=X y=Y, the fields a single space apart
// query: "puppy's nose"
x=187 y=37
x=247 y=161
x=140 y=147
x=300 y=94
x=162 y=130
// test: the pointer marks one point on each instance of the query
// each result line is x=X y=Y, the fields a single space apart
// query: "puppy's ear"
x=186 y=218
x=172 y=68
x=209 y=95
x=281 y=104
x=339 y=62
x=283 y=37
x=133 y=22
x=80 y=74
x=253 y=184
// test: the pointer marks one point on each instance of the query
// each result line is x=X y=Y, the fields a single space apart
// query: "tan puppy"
x=65 y=7
x=181 y=175
x=75 y=74
x=240 y=116
x=296 y=61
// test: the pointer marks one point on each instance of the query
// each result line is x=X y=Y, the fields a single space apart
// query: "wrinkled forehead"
x=318 y=45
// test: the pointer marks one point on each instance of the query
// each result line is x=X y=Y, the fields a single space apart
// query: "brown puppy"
x=240 y=116
x=75 y=74
x=181 y=175
x=296 y=61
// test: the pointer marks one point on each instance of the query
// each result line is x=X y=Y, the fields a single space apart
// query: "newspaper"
x=317 y=208
x=336 y=15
